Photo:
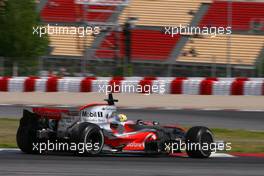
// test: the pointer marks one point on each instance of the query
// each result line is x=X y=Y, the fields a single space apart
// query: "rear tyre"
x=27 y=131
x=201 y=136
x=93 y=138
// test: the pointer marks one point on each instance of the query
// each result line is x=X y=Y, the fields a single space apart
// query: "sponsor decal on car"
x=92 y=114
x=135 y=145
x=95 y=117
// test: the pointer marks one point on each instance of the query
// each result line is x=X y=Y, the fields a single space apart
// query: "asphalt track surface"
x=17 y=163
x=13 y=162
x=212 y=119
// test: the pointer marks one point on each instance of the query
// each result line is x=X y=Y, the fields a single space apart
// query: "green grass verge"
x=242 y=141
x=8 y=128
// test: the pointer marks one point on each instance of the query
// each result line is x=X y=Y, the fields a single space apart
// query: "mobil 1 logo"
x=92 y=114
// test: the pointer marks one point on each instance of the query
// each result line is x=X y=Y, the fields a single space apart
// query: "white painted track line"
x=221 y=155
x=213 y=155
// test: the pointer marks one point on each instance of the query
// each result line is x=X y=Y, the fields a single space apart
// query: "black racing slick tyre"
x=93 y=138
x=27 y=131
x=198 y=142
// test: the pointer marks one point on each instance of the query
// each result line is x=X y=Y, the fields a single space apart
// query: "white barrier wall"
x=159 y=85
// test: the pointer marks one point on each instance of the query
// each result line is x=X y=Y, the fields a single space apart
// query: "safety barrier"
x=160 y=85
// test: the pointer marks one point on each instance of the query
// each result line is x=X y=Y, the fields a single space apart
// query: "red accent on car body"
x=91 y=105
x=132 y=141
x=50 y=113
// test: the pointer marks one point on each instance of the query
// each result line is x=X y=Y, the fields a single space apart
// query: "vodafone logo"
x=135 y=145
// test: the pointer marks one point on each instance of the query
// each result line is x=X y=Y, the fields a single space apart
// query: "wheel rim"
x=94 y=136
x=208 y=139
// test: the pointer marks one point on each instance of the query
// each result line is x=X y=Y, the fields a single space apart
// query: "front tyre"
x=93 y=139
x=198 y=140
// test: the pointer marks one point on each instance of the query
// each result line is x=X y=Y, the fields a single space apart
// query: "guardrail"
x=162 y=85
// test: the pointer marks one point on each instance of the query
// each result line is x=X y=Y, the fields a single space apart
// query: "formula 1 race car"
x=102 y=130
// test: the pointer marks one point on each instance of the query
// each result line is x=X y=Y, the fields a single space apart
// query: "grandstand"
x=162 y=12
x=69 y=45
x=244 y=50
x=150 y=47
x=61 y=11
x=147 y=45
x=243 y=15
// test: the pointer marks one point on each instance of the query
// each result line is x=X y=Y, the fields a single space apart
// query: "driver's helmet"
x=122 y=117
x=118 y=117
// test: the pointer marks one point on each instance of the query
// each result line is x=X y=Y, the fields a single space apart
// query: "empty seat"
x=145 y=45
x=69 y=44
x=243 y=14
x=68 y=11
x=244 y=50
x=162 y=12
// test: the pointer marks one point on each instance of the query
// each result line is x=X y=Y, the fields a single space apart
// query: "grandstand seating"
x=244 y=50
x=69 y=45
x=146 y=45
x=162 y=12
x=68 y=11
x=152 y=45
x=242 y=14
